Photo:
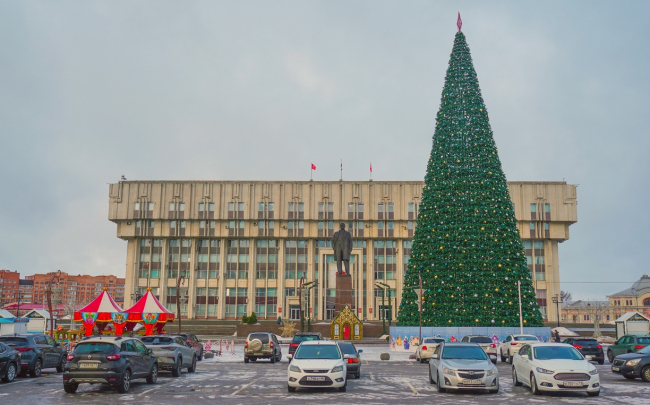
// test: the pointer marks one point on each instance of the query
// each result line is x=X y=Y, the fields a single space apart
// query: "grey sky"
x=259 y=90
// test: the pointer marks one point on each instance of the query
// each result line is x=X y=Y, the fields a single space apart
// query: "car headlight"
x=632 y=362
x=448 y=371
x=492 y=371
x=295 y=369
x=593 y=372
x=337 y=369
x=544 y=371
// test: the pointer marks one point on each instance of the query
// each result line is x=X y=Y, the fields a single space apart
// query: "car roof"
x=524 y=334
x=471 y=336
x=105 y=339
x=307 y=333
x=318 y=342
x=538 y=343
x=461 y=344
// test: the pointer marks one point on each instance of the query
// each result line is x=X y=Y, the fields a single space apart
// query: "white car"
x=554 y=367
x=512 y=344
x=424 y=351
x=317 y=363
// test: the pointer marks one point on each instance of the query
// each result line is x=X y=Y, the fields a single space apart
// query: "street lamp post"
x=54 y=276
x=308 y=286
x=383 y=314
x=557 y=300
x=20 y=296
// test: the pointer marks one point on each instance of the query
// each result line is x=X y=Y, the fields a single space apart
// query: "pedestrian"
x=557 y=336
x=279 y=319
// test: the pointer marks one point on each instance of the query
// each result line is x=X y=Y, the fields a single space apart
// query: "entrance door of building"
x=330 y=312
x=346 y=331
x=294 y=312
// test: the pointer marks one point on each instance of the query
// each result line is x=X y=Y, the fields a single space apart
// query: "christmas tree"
x=466 y=246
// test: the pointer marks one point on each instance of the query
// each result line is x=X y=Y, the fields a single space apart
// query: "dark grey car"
x=9 y=363
x=37 y=351
x=354 y=362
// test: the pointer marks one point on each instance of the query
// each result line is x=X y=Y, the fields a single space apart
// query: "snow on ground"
x=370 y=353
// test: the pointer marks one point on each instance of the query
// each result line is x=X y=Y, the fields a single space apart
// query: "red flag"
x=370 y=167
x=313 y=166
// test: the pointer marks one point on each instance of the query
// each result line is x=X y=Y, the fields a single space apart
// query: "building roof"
x=629 y=315
x=641 y=286
x=584 y=304
x=32 y=314
x=4 y=314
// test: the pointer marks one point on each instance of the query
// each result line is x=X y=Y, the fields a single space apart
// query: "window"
x=136 y=206
x=412 y=211
x=267 y=259
x=532 y=226
x=385 y=256
x=547 y=211
x=533 y=207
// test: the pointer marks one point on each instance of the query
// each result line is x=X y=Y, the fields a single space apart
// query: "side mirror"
x=289 y=356
x=346 y=356
x=148 y=351
x=360 y=351
x=434 y=356
x=199 y=340
x=524 y=357
x=589 y=358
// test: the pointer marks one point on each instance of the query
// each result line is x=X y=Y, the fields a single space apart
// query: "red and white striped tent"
x=101 y=311
x=150 y=312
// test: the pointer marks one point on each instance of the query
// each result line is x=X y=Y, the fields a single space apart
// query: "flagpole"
x=311 y=172
x=341 y=179
x=370 y=171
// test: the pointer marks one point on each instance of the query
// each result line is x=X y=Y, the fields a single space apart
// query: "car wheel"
x=201 y=355
x=510 y=358
x=245 y=359
x=291 y=389
x=61 y=367
x=439 y=386
x=533 y=385
x=503 y=358
x=125 y=382
x=594 y=394
x=70 y=388
x=629 y=377
x=11 y=373
x=645 y=374
x=610 y=356
x=273 y=358
x=430 y=377
x=192 y=368
x=601 y=362
x=176 y=371
x=36 y=372
x=153 y=376
x=345 y=387
x=496 y=391
x=515 y=379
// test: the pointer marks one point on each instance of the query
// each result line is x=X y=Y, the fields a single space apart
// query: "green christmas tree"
x=466 y=246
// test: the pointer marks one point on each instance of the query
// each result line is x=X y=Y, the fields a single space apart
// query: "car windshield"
x=304 y=338
x=325 y=352
x=643 y=340
x=526 y=338
x=433 y=340
x=94 y=347
x=263 y=337
x=557 y=353
x=464 y=353
x=347 y=348
x=645 y=350
x=14 y=341
x=480 y=339
x=148 y=340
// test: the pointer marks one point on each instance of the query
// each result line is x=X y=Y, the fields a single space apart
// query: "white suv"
x=317 y=363
x=512 y=344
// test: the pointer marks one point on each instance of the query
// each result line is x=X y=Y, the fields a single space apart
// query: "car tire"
x=36 y=371
x=10 y=373
x=594 y=394
x=61 y=367
x=125 y=382
x=645 y=374
x=629 y=377
x=610 y=356
x=496 y=391
x=510 y=358
x=345 y=387
x=153 y=376
x=291 y=389
x=192 y=368
x=273 y=358
x=70 y=388
x=201 y=355
x=439 y=386
x=503 y=358
x=430 y=377
x=601 y=362
x=246 y=360
x=515 y=379
x=176 y=370
x=533 y=385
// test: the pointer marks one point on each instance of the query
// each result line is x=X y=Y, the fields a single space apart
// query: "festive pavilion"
x=150 y=312
x=101 y=311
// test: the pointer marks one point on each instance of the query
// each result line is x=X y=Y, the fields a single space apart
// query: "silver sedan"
x=173 y=352
x=462 y=366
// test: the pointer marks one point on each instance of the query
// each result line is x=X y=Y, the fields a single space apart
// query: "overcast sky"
x=258 y=90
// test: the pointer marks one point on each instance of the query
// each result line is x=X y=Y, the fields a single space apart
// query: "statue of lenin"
x=342 y=244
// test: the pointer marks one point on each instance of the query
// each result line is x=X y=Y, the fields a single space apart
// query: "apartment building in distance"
x=244 y=246
x=9 y=286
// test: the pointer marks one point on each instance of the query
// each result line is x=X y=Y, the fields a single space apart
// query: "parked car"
x=424 y=351
x=173 y=352
x=633 y=365
x=196 y=343
x=588 y=347
x=354 y=361
x=486 y=344
x=303 y=337
x=462 y=366
x=512 y=344
x=262 y=345
x=318 y=363
x=9 y=363
x=37 y=351
x=554 y=367
x=627 y=344
x=109 y=360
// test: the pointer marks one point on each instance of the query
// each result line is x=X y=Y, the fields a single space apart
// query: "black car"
x=109 y=360
x=633 y=365
x=37 y=351
x=588 y=347
x=354 y=362
x=301 y=337
x=9 y=363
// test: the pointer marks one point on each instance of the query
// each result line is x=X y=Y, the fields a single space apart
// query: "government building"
x=245 y=246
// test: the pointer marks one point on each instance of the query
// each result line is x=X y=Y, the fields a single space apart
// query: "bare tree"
x=565 y=296
x=596 y=310
x=69 y=309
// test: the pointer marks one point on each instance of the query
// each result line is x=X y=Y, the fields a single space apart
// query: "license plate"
x=88 y=365
x=572 y=384
x=315 y=378
x=616 y=369
x=472 y=382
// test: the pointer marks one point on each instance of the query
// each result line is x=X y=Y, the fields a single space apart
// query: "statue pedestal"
x=343 y=293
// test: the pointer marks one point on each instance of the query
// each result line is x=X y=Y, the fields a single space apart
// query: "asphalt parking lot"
x=395 y=382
